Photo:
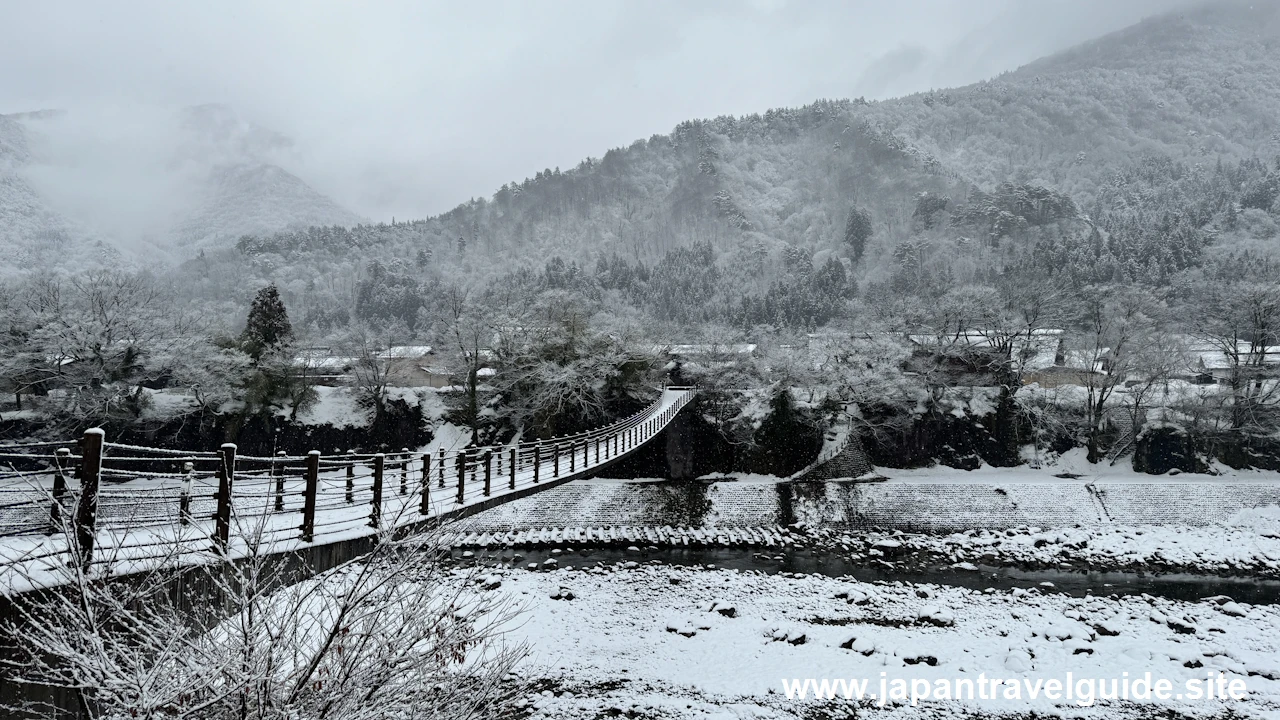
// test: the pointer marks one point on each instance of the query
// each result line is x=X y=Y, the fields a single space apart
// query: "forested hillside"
x=1191 y=87
x=1123 y=159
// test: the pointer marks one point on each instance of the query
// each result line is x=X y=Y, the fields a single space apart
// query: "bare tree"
x=391 y=635
x=1241 y=321
x=1115 y=326
x=467 y=328
x=1029 y=306
x=371 y=373
x=867 y=366
x=98 y=339
x=572 y=376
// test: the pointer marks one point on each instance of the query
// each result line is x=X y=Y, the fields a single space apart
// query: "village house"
x=709 y=355
x=1040 y=357
x=322 y=366
x=413 y=366
x=1211 y=363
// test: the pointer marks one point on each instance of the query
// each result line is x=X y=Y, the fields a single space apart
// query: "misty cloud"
x=406 y=109
x=893 y=69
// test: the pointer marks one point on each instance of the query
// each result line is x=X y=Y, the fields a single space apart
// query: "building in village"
x=405 y=366
x=1213 y=363
x=1041 y=357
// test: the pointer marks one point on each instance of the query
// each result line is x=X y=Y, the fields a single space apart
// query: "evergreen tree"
x=857 y=230
x=927 y=208
x=268 y=326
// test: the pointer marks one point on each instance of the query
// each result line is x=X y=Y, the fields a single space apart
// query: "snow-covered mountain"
x=243 y=188
x=32 y=234
x=252 y=199
x=130 y=188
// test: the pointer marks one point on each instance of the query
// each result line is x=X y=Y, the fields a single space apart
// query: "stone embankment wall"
x=909 y=505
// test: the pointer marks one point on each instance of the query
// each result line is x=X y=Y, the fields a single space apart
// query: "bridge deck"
x=138 y=513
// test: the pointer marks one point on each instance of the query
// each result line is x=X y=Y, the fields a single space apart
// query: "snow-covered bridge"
x=122 y=508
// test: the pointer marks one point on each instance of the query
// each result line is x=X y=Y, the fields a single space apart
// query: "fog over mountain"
x=405 y=110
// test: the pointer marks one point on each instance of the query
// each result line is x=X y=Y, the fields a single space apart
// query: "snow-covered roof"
x=1063 y=370
x=326 y=362
x=708 y=349
x=1082 y=360
x=983 y=337
x=405 y=351
x=1034 y=351
x=1211 y=357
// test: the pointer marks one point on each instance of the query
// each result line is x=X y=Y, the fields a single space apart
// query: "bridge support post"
x=86 y=520
x=488 y=468
x=226 y=479
x=404 y=471
x=62 y=462
x=184 y=500
x=597 y=449
x=555 y=461
x=511 y=468
x=309 y=497
x=442 y=468
x=462 y=475
x=277 y=469
x=351 y=477
x=375 y=510
x=573 y=455
x=680 y=448
x=424 y=506
x=537 y=462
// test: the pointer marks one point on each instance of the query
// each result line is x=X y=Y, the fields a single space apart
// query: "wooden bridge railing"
x=139 y=501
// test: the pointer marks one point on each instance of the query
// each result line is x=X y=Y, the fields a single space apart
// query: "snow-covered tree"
x=572 y=378
x=1240 y=321
x=393 y=634
x=98 y=339
x=268 y=328
x=1114 y=327
x=857 y=231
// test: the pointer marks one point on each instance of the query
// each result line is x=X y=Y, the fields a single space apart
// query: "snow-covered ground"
x=655 y=641
x=1075 y=463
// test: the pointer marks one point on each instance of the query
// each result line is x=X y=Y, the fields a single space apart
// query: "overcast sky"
x=410 y=107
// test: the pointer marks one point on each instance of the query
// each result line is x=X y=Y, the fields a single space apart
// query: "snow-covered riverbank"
x=655 y=641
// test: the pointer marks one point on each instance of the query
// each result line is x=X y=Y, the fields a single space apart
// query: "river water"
x=1175 y=586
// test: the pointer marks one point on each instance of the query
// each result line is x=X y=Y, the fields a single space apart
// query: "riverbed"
x=636 y=636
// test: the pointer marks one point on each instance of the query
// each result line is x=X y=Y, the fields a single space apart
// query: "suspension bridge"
x=115 y=509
